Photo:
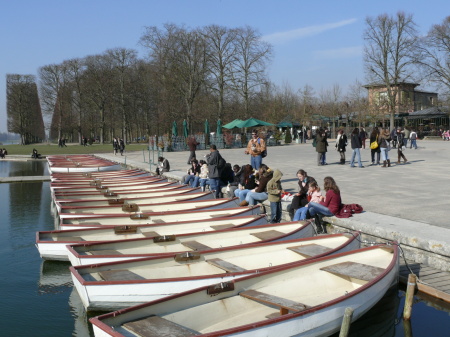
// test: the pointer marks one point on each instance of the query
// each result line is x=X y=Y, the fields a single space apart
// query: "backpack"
x=263 y=153
x=221 y=163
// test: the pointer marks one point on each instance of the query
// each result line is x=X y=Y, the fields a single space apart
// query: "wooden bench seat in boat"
x=310 y=250
x=153 y=326
x=194 y=245
x=69 y=238
x=150 y=234
x=224 y=226
x=127 y=229
x=227 y=266
x=268 y=235
x=355 y=270
x=284 y=304
x=105 y=252
x=119 y=275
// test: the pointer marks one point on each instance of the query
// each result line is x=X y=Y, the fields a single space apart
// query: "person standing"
x=363 y=136
x=413 y=138
x=356 y=147
x=192 y=144
x=321 y=147
x=274 y=190
x=341 y=144
x=394 y=137
x=374 y=135
x=115 y=145
x=407 y=134
x=385 y=147
x=400 y=146
x=256 y=147
x=121 y=146
x=215 y=164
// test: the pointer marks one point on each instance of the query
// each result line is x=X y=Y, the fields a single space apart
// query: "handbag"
x=374 y=145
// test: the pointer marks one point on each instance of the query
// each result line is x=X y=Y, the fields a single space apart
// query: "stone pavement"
x=407 y=202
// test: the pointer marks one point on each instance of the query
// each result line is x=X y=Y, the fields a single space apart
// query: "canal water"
x=37 y=297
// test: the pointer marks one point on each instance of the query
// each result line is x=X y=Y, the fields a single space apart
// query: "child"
x=274 y=195
x=314 y=195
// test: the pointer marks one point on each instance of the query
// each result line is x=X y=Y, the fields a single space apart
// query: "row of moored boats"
x=169 y=260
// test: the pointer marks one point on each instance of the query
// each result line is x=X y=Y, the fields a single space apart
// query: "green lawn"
x=49 y=149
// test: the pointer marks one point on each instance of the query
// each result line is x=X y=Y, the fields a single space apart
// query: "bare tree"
x=23 y=108
x=76 y=69
x=388 y=54
x=122 y=61
x=99 y=83
x=249 y=65
x=220 y=49
x=356 y=105
x=434 y=55
x=54 y=84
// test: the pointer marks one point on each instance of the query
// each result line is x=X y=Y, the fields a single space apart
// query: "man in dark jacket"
x=321 y=146
x=215 y=165
x=192 y=144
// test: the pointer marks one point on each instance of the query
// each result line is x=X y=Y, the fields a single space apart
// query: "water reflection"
x=53 y=276
x=380 y=320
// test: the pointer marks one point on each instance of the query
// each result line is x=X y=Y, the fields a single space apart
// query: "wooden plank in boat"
x=268 y=235
x=310 y=250
x=355 y=270
x=284 y=304
x=125 y=229
x=150 y=234
x=227 y=266
x=219 y=227
x=105 y=252
x=155 y=326
x=119 y=275
x=194 y=245
x=69 y=238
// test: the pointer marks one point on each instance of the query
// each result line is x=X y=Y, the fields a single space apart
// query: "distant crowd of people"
x=380 y=141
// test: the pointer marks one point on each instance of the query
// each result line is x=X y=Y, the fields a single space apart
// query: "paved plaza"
x=417 y=191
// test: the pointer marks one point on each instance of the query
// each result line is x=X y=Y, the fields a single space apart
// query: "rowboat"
x=69 y=211
x=52 y=244
x=100 y=189
x=62 y=177
x=93 y=175
x=94 y=185
x=117 y=285
x=156 y=192
x=123 y=250
x=303 y=299
x=156 y=217
x=117 y=181
x=80 y=163
x=182 y=195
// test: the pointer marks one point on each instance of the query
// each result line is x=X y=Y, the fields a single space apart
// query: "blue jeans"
x=413 y=143
x=357 y=153
x=300 y=214
x=203 y=183
x=253 y=197
x=384 y=153
x=241 y=194
x=316 y=208
x=195 y=181
x=275 y=211
x=256 y=162
x=189 y=179
x=214 y=185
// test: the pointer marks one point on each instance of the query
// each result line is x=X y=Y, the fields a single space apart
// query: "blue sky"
x=318 y=42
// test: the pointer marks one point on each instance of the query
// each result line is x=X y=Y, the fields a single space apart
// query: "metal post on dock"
x=409 y=296
x=346 y=321
x=143 y=154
